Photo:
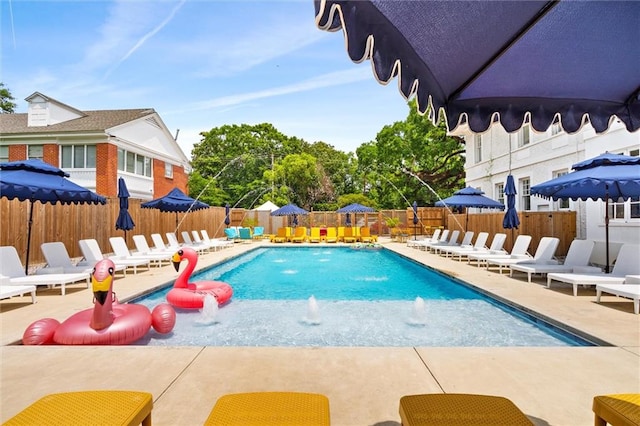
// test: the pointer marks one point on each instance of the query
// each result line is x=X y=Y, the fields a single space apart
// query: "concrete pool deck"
x=552 y=386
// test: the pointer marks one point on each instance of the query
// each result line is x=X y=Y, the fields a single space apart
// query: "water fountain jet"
x=418 y=312
x=209 y=311
x=313 y=312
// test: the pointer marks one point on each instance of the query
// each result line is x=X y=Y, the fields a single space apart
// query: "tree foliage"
x=245 y=165
x=7 y=106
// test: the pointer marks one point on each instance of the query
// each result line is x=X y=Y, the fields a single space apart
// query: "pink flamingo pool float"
x=107 y=323
x=191 y=295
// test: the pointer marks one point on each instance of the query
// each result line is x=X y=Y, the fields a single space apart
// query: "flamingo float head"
x=184 y=253
x=102 y=280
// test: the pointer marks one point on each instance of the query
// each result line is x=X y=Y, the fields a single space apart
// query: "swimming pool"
x=319 y=296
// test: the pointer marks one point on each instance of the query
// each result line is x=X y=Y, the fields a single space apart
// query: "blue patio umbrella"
x=227 y=220
x=347 y=219
x=511 y=219
x=35 y=180
x=124 y=221
x=477 y=60
x=607 y=176
x=470 y=197
x=175 y=201
x=415 y=218
x=289 y=210
x=295 y=220
x=355 y=208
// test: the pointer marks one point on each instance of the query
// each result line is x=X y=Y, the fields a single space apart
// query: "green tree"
x=410 y=157
x=303 y=176
x=7 y=106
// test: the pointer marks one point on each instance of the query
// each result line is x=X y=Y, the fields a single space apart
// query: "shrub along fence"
x=71 y=223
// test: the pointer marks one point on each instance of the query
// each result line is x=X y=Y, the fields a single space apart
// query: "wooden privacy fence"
x=71 y=223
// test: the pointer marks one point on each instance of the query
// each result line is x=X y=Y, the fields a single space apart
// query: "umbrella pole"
x=606 y=227
x=26 y=267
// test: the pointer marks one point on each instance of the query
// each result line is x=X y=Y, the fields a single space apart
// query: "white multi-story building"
x=533 y=158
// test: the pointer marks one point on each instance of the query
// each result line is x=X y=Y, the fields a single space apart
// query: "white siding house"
x=533 y=158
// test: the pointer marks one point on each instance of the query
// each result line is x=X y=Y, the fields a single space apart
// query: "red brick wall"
x=162 y=185
x=107 y=169
x=17 y=152
x=50 y=154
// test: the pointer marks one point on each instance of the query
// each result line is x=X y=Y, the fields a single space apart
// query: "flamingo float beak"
x=176 y=259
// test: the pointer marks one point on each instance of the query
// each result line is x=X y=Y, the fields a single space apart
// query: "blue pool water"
x=343 y=297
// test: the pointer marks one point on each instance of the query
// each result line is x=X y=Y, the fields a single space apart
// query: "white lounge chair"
x=92 y=254
x=172 y=241
x=424 y=244
x=544 y=254
x=626 y=264
x=630 y=289
x=496 y=247
x=466 y=242
x=142 y=247
x=432 y=239
x=577 y=257
x=12 y=268
x=200 y=247
x=451 y=241
x=520 y=247
x=7 y=290
x=121 y=252
x=479 y=244
x=57 y=257
x=159 y=244
x=221 y=243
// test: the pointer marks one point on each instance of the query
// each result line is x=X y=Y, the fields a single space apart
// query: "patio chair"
x=480 y=244
x=57 y=256
x=314 y=235
x=92 y=254
x=629 y=291
x=245 y=234
x=216 y=243
x=300 y=235
x=258 y=232
x=434 y=238
x=96 y=407
x=616 y=409
x=142 y=247
x=12 y=268
x=466 y=242
x=496 y=247
x=7 y=290
x=349 y=235
x=577 y=257
x=159 y=244
x=544 y=254
x=365 y=235
x=281 y=235
x=456 y=408
x=451 y=241
x=341 y=234
x=188 y=242
x=520 y=250
x=332 y=235
x=273 y=408
x=232 y=234
x=443 y=238
x=626 y=264
x=121 y=252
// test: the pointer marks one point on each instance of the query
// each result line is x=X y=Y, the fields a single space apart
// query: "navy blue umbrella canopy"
x=607 y=176
x=124 y=221
x=473 y=59
x=356 y=208
x=470 y=197
x=511 y=219
x=347 y=219
x=175 y=201
x=35 y=180
x=290 y=210
x=227 y=219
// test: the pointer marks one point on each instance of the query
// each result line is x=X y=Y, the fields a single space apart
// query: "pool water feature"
x=319 y=296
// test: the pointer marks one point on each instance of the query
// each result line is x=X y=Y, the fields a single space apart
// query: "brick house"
x=97 y=147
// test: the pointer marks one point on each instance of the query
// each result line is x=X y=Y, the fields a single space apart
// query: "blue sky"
x=199 y=63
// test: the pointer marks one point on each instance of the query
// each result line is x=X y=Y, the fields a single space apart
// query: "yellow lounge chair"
x=340 y=234
x=280 y=237
x=365 y=235
x=350 y=235
x=314 y=237
x=88 y=408
x=270 y=408
x=300 y=235
x=332 y=235
x=617 y=409
x=459 y=410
